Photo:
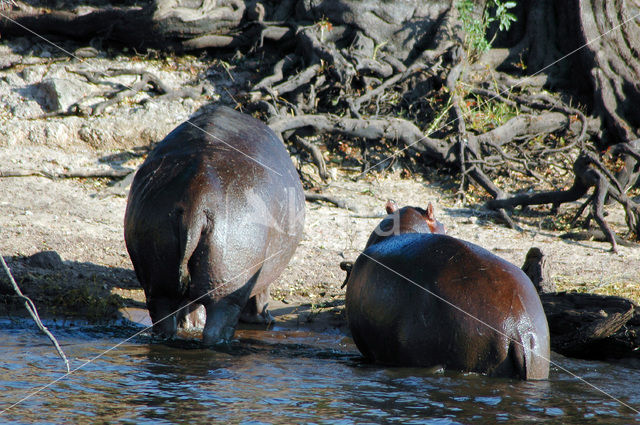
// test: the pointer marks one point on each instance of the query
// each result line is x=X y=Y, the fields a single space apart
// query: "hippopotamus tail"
x=188 y=234
x=530 y=357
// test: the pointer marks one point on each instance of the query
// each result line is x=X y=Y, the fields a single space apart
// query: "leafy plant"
x=484 y=115
x=475 y=24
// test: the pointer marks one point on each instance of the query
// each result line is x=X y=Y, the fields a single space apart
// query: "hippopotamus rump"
x=419 y=298
x=214 y=215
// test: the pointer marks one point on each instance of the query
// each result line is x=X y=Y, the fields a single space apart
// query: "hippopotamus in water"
x=416 y=296
x=214 y=215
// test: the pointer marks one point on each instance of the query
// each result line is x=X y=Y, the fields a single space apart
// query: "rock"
x=45 y=260
x=57 y=94
x=86 y=52
x=8 y=58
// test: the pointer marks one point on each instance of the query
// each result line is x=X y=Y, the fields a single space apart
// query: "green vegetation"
x=485 y=115
x=475 y=23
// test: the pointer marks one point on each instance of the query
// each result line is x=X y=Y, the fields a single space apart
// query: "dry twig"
x=31 y=308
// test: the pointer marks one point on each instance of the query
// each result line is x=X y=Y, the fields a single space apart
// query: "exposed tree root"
x=397 y=81
x=340 y=203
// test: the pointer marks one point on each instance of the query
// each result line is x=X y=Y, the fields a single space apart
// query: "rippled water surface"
x=280 y=377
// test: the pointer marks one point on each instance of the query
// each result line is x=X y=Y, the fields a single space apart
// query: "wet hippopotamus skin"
x=214 y=215
x=418 y=297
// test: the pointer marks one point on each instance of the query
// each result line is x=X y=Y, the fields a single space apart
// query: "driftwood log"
x=584 y=325
x=592 y=326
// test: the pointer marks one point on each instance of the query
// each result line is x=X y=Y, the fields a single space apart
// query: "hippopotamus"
x=213 y=217
x=418 y=297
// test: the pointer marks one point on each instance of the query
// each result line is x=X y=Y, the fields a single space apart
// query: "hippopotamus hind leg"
x=223 y=314
x=255 y=311
x=163 y=315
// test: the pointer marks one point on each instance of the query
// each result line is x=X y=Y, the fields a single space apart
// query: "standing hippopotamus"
x=418 y=297
x=214 y=215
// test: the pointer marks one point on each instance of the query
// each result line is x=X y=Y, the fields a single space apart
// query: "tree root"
x=375 y=129
x=354 y=74
x=115 y=97
x=340 y=203
x=588 y=171
x=316 y=154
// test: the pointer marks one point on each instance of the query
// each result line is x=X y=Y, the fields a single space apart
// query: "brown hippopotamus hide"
x=430 y=300
x=214 y=215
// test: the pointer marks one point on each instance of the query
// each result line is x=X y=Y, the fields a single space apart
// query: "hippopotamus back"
x=428 y=299
x=214 y=215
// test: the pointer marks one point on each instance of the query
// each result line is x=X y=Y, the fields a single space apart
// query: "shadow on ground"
x=68 y=289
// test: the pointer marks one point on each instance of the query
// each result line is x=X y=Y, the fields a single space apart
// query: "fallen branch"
x=113 y=173
x=31 y=308
x=340 y=203
x=318 y=159
x=595 y=235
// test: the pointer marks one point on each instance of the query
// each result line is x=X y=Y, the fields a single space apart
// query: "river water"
x=278 y=376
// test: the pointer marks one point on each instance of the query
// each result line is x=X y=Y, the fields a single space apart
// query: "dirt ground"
x=82 y=219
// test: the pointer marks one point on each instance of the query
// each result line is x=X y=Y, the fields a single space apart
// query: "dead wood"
x=33 y=312
x=537 y=268
x=316 y=154
x=595 y=235
x=592 y=326
x=340 y=203
x=114 y=173
x=589 y=172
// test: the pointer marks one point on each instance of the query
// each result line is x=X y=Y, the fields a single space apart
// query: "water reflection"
x=283 y=377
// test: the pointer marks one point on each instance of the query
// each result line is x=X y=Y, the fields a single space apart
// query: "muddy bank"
x=80 y=219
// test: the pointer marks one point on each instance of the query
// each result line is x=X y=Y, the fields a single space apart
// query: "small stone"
x=58 y=94
x=333 y=173
x=86 y=52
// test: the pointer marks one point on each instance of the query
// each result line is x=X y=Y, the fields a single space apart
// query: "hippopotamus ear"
x=434 y=225
x=430 y=214
x=391 y=206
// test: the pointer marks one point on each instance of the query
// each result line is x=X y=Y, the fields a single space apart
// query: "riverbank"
x=45 y=208
x=81 y=221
